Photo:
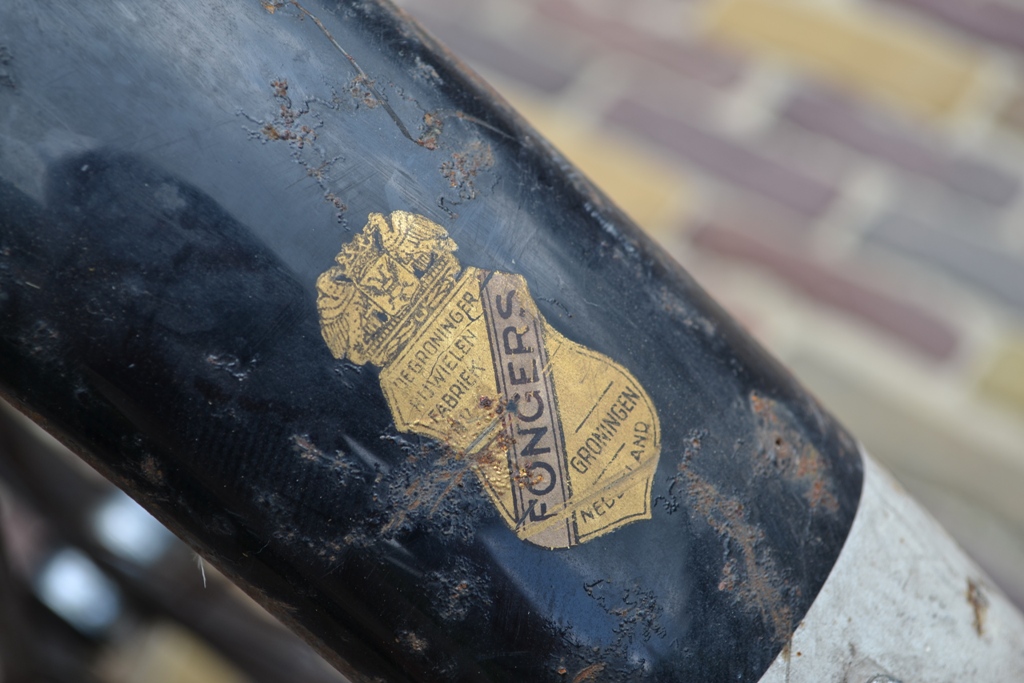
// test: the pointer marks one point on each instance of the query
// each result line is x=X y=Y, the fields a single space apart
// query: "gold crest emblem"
x=564 y=440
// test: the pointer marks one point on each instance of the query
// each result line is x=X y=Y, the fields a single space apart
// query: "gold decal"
x=564 y=440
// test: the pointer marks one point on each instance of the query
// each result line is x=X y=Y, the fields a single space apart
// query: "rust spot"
x=297 y=124
x=458 y=589
x=782 y=450
x=523 y=478
x=335 y=201
x=271 y=132
x=412 y=642
x=749 y=571
x=306 y=448
x=367 y=92
x=728 y=581
x=271 y=7
x=461 y=171
x=435 y=472
x=979 y=603
x=284 y=127
x=363 y=90
x=589 y=673
x=637 y=610
x=433 y=126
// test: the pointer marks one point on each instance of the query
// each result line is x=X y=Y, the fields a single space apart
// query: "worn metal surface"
x=173 y=180
x=903 y=604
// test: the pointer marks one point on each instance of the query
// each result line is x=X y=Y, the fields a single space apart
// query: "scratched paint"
x=903 y=603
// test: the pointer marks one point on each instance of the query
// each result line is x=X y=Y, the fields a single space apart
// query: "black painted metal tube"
x=314 y=296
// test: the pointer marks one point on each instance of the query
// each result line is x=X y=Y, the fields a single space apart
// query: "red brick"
x=725 y=159
x=912 y=325
x=699 y=61
x=879 y=135
x=996 y=272
x=993 y=21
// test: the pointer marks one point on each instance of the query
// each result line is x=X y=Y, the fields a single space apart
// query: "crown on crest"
x=383 y=279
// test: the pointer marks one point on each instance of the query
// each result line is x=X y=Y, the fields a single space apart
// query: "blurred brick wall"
x=843 y=175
